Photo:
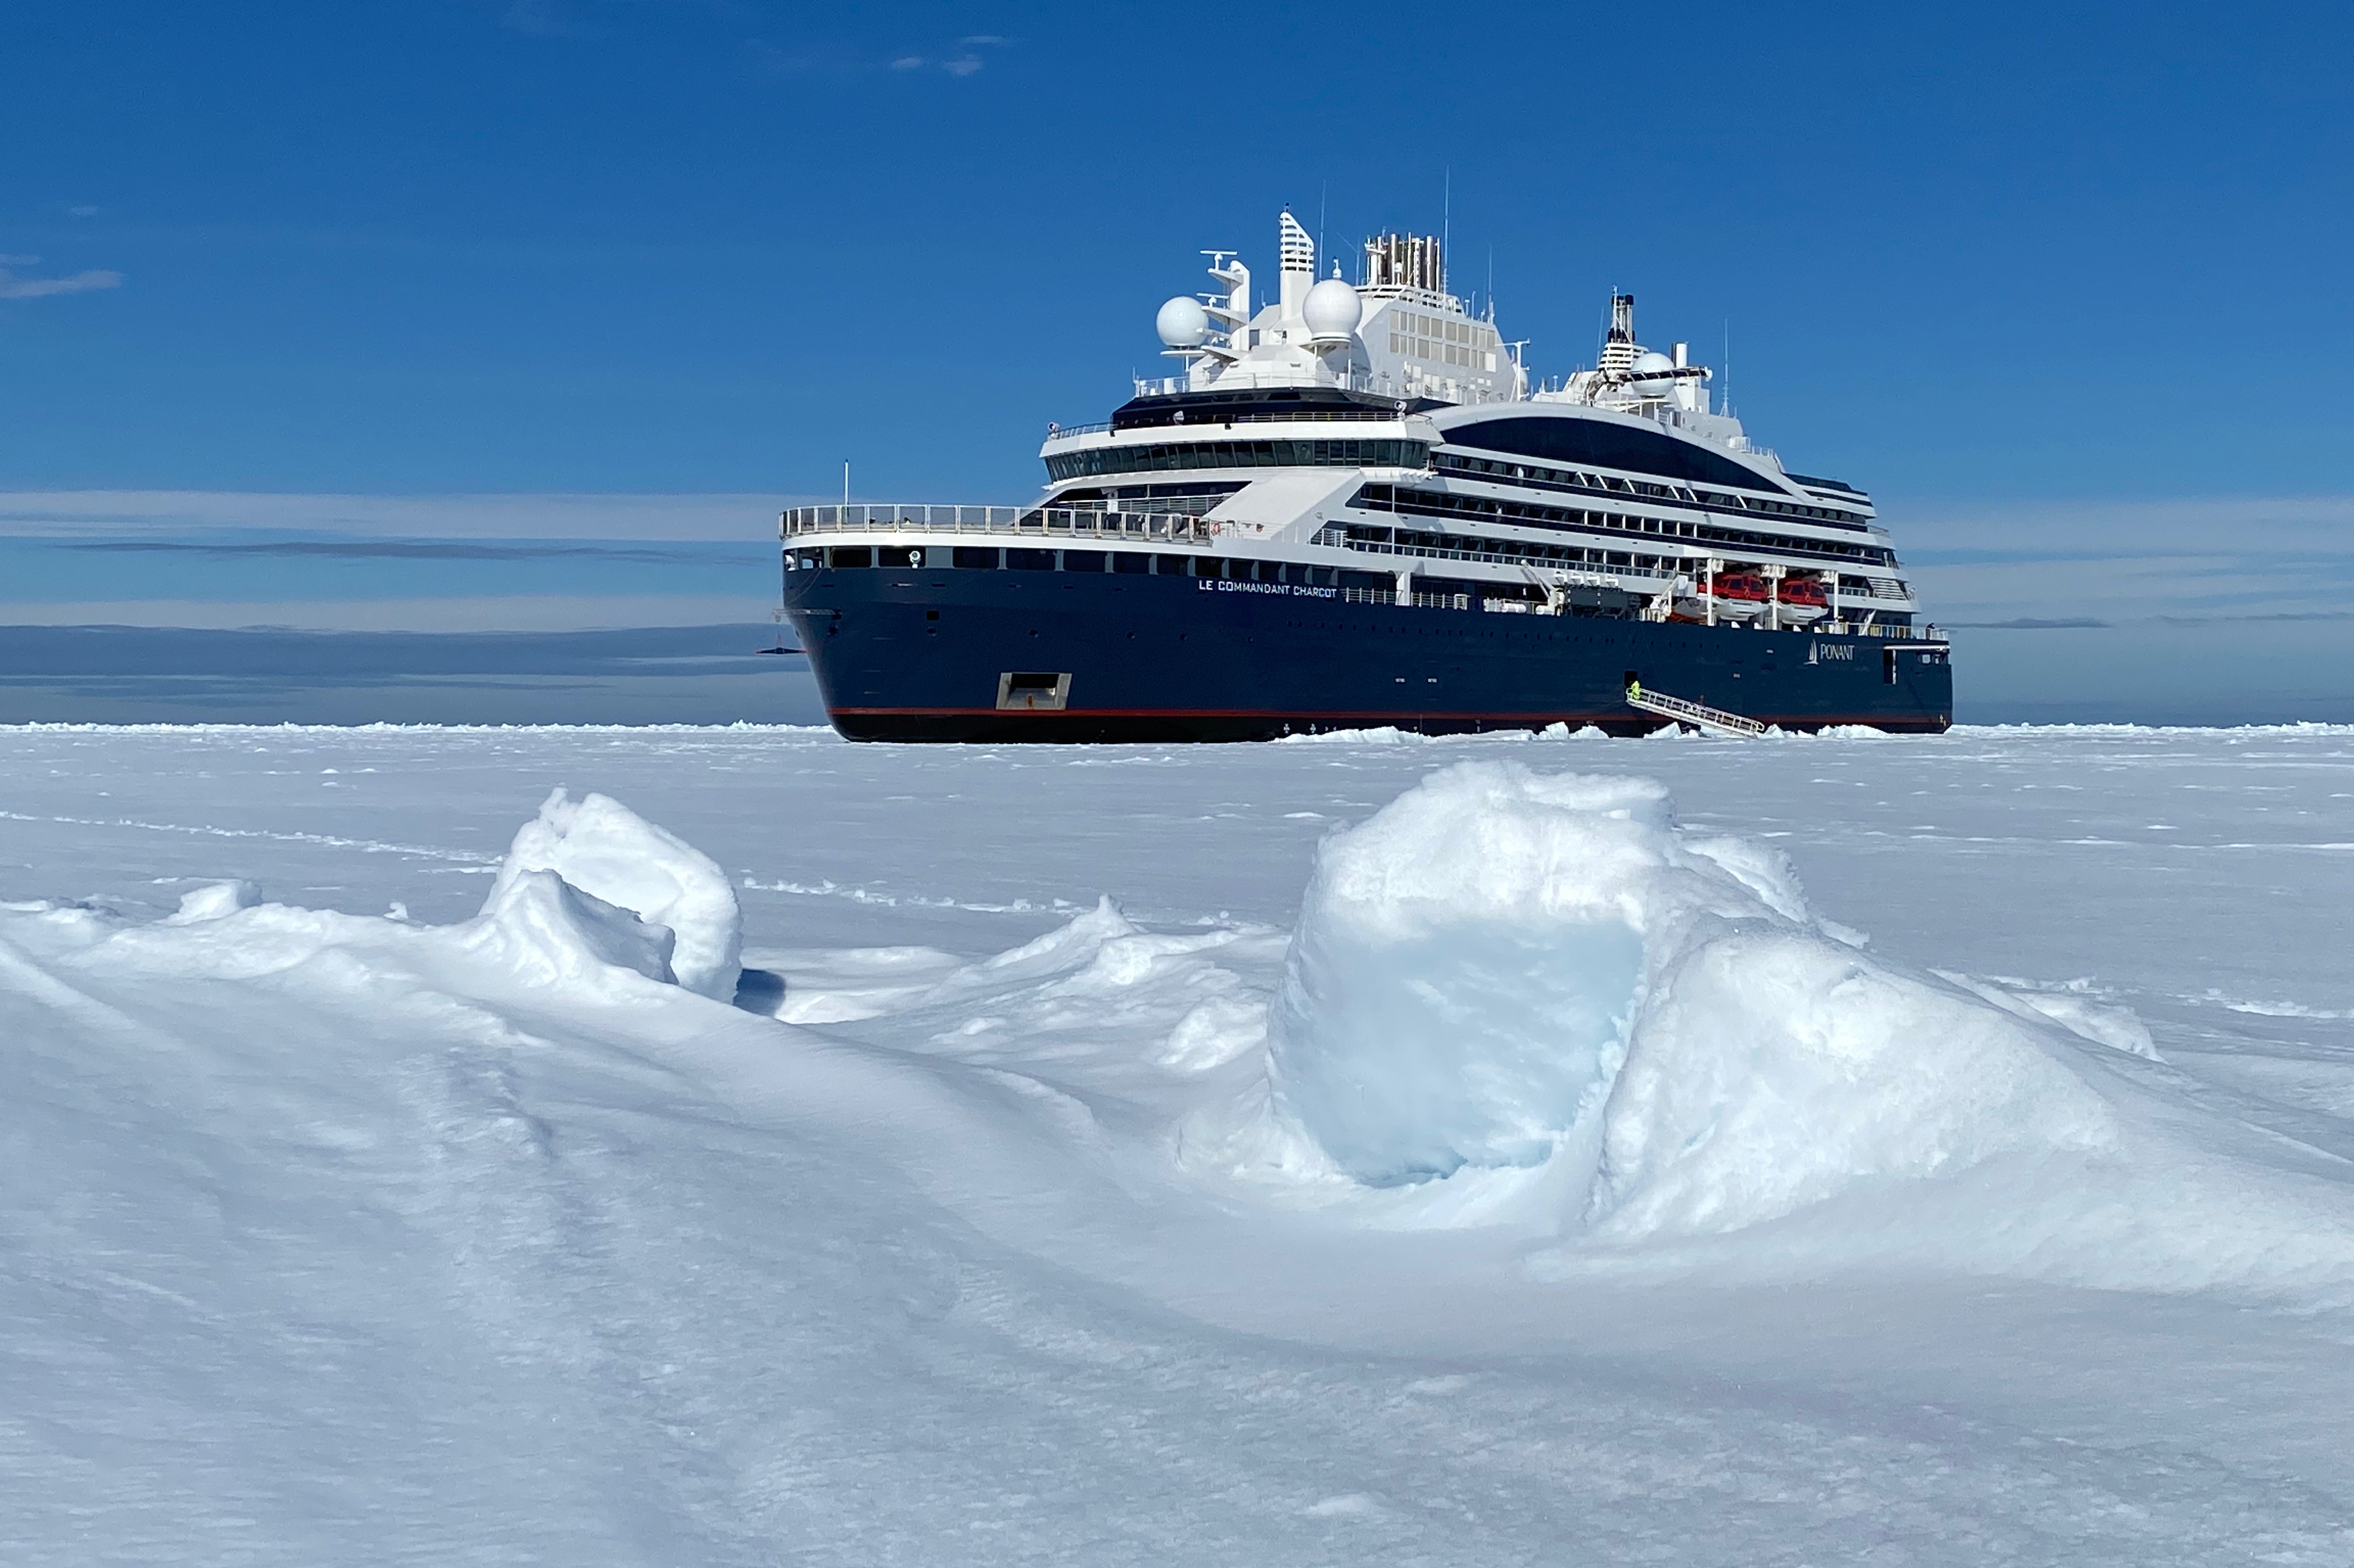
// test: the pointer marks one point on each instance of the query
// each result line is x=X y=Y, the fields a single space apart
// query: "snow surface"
x=1381 y=1149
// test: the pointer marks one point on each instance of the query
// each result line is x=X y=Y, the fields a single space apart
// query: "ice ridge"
x=1531 y=998
x=1503 y=967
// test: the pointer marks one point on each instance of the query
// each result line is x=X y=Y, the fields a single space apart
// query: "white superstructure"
x=1396 y=333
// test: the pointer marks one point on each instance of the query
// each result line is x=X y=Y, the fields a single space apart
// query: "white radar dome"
x=1332 y=309
x=1654 y=374
x=1182 y=323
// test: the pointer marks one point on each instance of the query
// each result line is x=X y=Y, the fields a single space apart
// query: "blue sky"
x=2039 y=277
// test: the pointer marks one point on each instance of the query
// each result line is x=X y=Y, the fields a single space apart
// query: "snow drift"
x=548 y=932
x=1533 y=998
x=1098 y=987
x=592 y=898
x=601 y=848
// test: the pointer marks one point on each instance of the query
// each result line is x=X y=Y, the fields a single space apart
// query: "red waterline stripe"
x=1371 y=713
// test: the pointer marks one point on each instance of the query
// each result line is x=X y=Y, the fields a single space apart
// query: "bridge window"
x=1163 y=456
x=973 y=557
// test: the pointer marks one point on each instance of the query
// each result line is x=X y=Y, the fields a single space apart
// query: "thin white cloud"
x=964 y=61
x=135 y=514
x=535 y=612
x=19 y=260
x=82 y=212
x=12 y=287
x=2118 y=561
x=2127 y=527
x=961 y=59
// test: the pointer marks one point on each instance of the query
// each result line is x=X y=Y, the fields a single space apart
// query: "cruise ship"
x=1352 y=508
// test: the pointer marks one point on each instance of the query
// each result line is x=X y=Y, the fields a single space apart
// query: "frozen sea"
x=1373 y=1150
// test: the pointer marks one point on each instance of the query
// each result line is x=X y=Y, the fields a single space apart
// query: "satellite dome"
x=1182 y=323
x=1654 y=374
x=1332 y=309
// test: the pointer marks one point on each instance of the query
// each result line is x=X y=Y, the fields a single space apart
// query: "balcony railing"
x=1043 y=522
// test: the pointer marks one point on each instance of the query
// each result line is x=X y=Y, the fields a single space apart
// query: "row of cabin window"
x=1135 y=562
x=1161 y=457
x=1562 y=479
x=1139 y=562
x=1518 y=552
x=1454 y=546
x=1442 y=504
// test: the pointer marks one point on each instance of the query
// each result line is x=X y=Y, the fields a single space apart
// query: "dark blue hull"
x=939 y=654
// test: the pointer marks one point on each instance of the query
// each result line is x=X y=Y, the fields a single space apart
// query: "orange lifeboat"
x=1804 y=600
x=1740 y=596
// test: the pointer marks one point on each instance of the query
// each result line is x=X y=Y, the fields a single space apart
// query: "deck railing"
x=1037 y=522
x=1452 y=390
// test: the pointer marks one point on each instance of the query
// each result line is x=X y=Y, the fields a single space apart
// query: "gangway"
x=1690 y=713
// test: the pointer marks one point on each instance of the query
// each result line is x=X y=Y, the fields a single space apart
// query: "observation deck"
x=1033 y=522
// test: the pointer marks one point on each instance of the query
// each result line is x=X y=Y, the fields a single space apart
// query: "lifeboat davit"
x=1745 y=596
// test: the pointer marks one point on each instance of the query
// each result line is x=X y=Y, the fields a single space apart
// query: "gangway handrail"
x=1692 y=713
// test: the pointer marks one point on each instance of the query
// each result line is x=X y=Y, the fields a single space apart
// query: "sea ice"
x=331 y=1237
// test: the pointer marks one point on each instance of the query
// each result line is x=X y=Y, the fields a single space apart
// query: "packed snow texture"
x=601 y=849
x=1378 y=1149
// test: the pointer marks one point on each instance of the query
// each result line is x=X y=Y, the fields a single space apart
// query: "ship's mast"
x=1297 y=253
x=1618 y=348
